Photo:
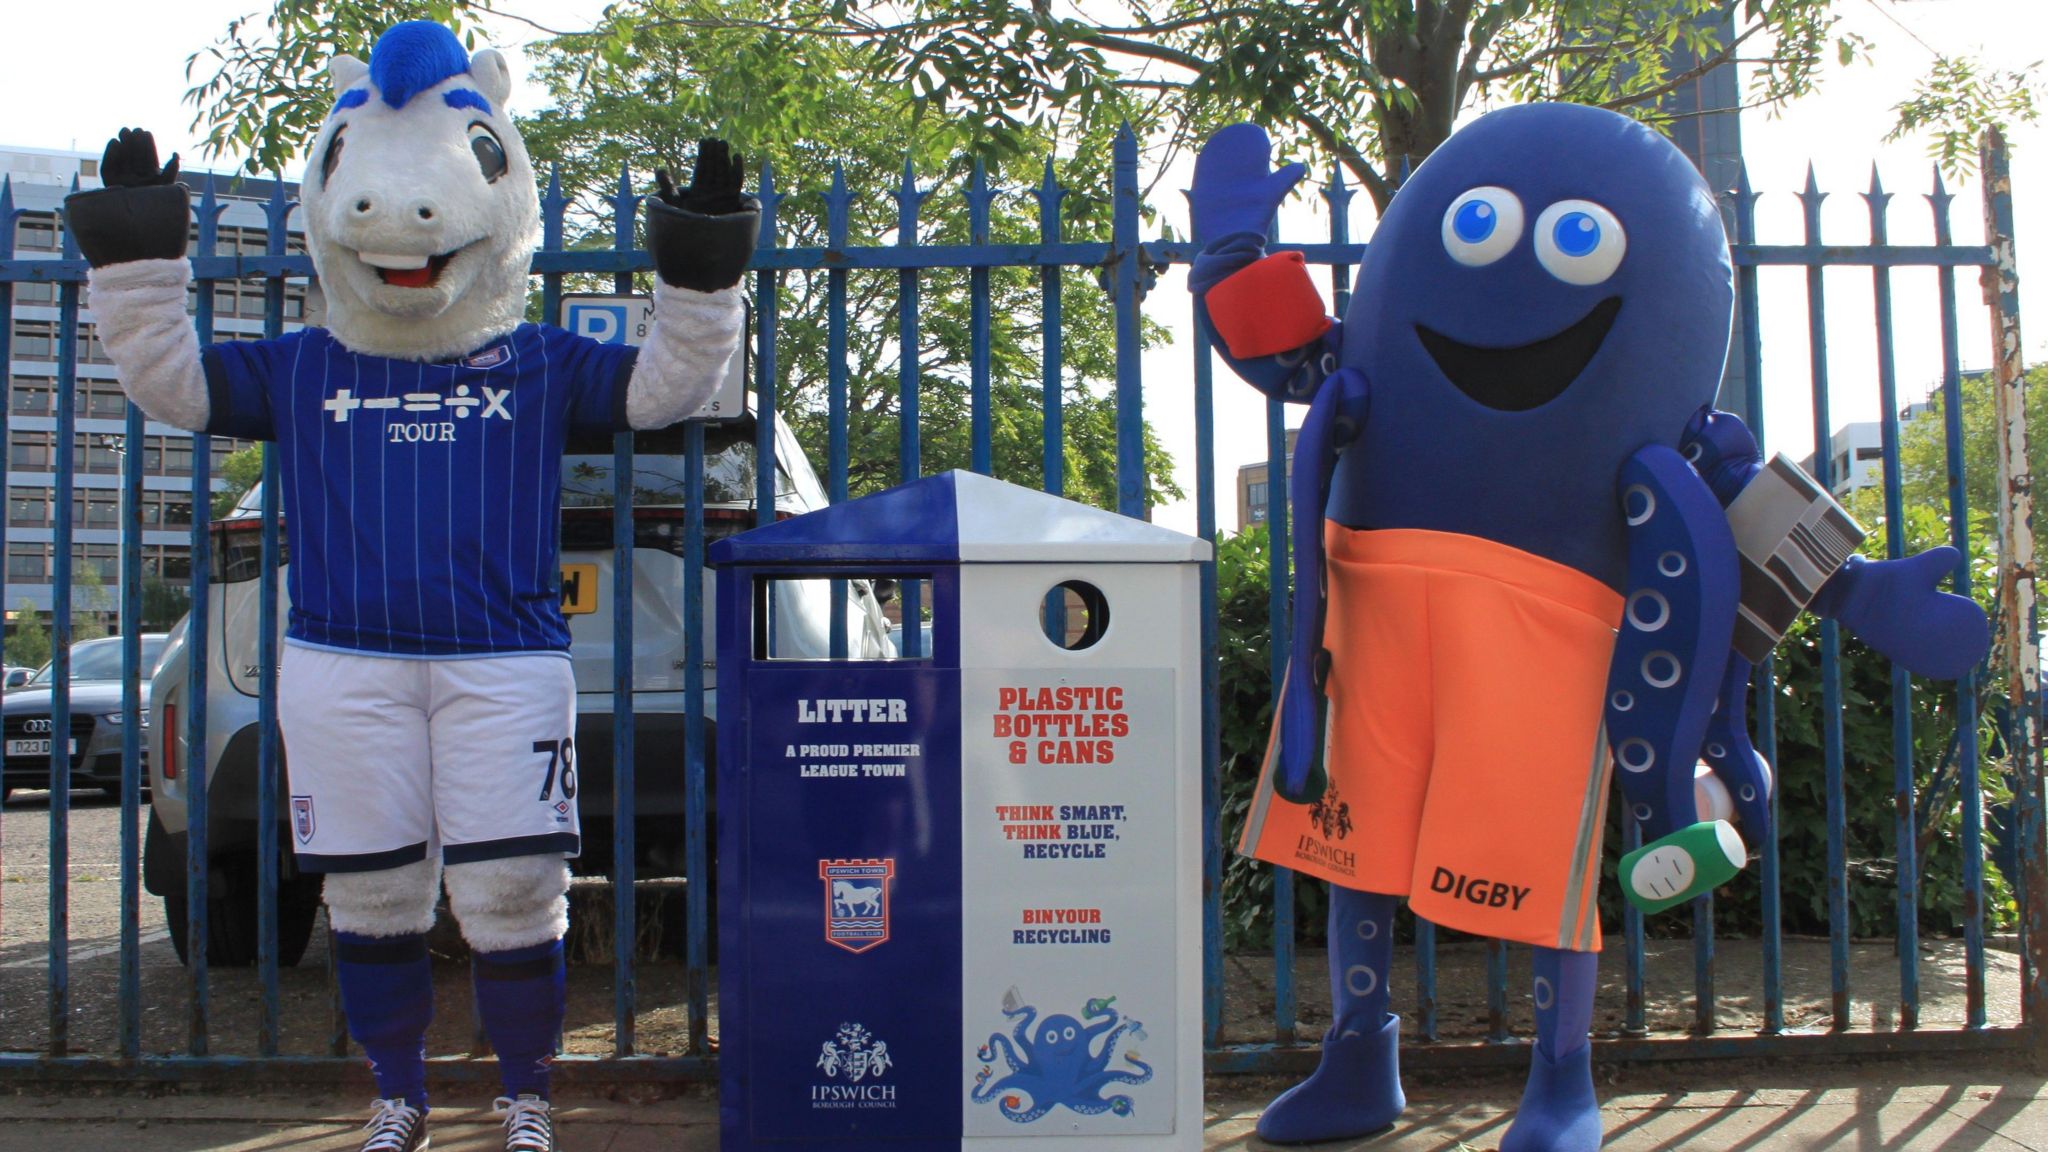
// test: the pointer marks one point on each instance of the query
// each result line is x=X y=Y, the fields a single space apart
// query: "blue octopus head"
x=1058 y=1037
x=1553 y=267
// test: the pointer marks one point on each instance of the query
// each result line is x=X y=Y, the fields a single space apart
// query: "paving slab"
x=1788 y=1106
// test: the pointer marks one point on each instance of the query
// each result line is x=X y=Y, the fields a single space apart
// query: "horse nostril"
x=426 y=213
x=363 y=205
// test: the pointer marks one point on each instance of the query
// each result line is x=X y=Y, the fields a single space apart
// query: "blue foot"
x=1355 y=1091
x=1559 y=1112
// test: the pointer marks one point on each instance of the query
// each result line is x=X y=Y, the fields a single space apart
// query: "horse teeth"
x=391 y=261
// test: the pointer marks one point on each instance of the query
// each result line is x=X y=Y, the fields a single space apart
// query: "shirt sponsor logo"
x=302 y=818
x=856 y=902
x=461 y=405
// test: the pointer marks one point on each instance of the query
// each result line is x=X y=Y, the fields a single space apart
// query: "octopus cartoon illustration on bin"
x=1528 y=550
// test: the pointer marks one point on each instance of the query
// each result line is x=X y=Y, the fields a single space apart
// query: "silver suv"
x=802 y=611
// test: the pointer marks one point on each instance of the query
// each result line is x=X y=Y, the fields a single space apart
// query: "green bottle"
x=1690 y=862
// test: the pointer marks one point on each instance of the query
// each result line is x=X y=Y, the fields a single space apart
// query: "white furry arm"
x=139 y=308
x=688 y=351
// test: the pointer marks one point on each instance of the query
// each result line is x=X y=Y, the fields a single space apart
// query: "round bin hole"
x=1074 y=615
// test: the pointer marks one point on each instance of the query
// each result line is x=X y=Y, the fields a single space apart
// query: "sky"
x=79 y=70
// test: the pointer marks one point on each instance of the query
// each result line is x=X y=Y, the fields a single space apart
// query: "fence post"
x=2020 y=643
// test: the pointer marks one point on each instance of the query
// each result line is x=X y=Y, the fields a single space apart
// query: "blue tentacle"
x=1673 y=645
x=1333 y=422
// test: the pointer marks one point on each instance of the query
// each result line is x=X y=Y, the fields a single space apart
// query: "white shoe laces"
x=390 y=1125
x=527 y=1127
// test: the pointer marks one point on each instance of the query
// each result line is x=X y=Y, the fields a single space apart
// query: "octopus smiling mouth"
x=1528 y=375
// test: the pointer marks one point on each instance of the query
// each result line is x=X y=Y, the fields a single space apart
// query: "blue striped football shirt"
x=423 y=499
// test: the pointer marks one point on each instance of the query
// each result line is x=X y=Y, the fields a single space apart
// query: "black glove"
x=143 y=213
x=703 y=236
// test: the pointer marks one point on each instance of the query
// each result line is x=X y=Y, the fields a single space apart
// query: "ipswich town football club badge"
x=302 y=818
x=856 y=901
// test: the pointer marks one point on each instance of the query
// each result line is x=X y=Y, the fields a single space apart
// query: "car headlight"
x=119 y=718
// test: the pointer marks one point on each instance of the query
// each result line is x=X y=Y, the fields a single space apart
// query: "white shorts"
x=390 y=759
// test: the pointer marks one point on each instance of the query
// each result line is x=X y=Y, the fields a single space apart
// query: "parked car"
x=95 y=718
x=803 y=611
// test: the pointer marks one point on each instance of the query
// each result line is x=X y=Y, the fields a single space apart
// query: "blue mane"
x=411 y=57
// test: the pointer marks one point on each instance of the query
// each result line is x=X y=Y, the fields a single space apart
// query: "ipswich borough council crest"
x=856 y=901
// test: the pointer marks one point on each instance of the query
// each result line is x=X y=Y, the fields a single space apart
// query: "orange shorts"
x=1467 y=761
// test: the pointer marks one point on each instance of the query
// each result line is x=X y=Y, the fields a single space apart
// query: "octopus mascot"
x=425 y=691
x=1540 y=552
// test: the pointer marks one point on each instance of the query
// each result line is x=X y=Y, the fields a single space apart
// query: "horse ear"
x=492 y=75
x=346 y=71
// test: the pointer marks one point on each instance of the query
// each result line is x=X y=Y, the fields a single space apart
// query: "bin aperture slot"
x=793 y=616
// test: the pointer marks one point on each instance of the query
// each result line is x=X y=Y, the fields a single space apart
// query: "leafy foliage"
x=28 y=644
x=640 y=90
x=261 y=100
x=1957 y=101
x=1244 y=641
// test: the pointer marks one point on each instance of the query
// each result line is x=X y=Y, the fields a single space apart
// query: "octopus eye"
x=1049 y=1035
x=1068 y=1035
x=1482 y=226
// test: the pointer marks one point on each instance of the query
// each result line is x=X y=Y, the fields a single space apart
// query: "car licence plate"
x=38 y=747
x=579 y=589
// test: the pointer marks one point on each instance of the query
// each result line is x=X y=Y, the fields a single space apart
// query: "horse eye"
x=489 y=153
x=331 y=157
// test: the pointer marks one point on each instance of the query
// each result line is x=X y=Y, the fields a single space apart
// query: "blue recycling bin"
x=959 y=888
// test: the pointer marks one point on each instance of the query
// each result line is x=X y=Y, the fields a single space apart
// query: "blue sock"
x=387 y=994
x=1361 y=957
x=521 y=997
x=1564 y=986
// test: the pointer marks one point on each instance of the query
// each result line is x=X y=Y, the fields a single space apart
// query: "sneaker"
x=528 y=1125
x=395 y=1126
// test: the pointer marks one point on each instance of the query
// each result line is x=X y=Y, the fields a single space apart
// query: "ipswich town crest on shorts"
x=856 y=901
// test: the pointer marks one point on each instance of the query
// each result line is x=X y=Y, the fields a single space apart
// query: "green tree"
x=239 y=472
x=163 y=603
x=642 y=88
x=634 y=96
x=28 y=646
x=1366 y=82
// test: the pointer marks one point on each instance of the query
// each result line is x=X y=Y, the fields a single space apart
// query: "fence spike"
x=275 y=212
x=908 y=200
x=979 y=197
x=7 y=215
x=1938 y=200
x=769 y=199
x=553 y=207
x=210 y=208
x=1337 y=194
x=69 y=245
x=1049 y=194
x=1812 y=190
x=838 y=201
x=623 y=205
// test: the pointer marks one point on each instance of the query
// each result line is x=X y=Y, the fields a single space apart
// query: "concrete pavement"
x=1929 y=1105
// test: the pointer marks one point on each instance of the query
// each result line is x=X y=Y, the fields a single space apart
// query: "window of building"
x=30 y=450
x=1255 y=495
x=35 y=292
x=35 y=340
x=28 y=507
x=36 y=232
x=1870 y=453
x=31 y=396
x=28 y=560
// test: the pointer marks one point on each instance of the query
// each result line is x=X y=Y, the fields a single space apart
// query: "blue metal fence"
x=1125 y=265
